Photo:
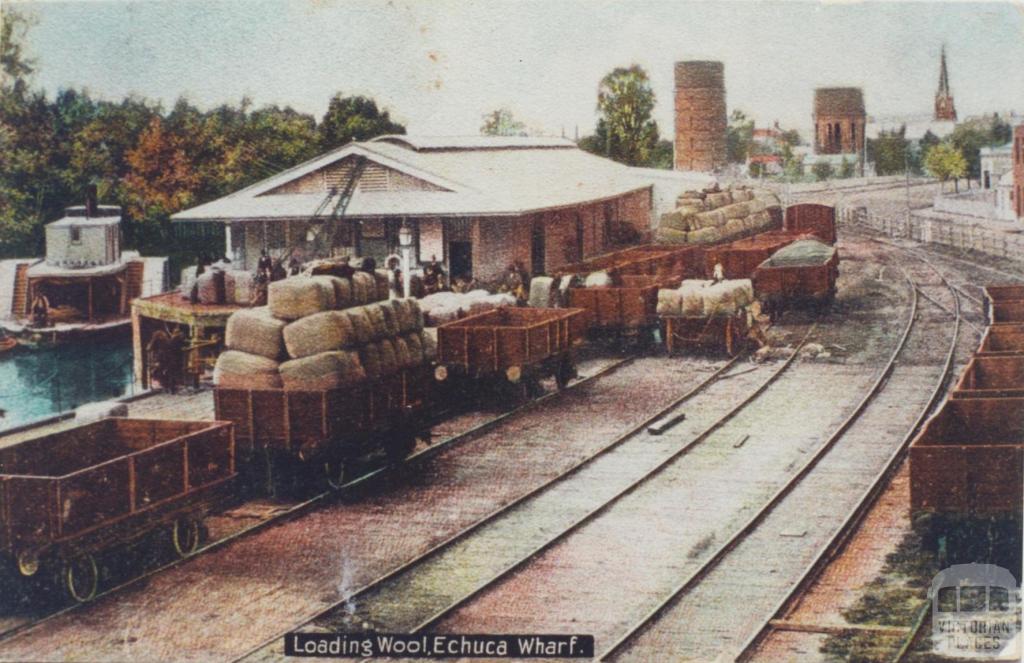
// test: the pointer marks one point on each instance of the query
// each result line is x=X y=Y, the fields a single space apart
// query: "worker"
x=294 y=266
x=433 y=276
x=165 y=353
x=40 y=310
x=718 y=274
x=514 y=284
x=265 y=265
x=394 y=270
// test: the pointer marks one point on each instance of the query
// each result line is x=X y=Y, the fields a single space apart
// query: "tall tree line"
x=150 y=160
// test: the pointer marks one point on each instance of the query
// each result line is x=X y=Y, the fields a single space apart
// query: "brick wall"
x=1018 y=171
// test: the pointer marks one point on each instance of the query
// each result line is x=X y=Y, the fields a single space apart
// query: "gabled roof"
x=469 y=176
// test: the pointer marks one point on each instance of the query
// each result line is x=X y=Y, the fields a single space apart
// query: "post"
x=228 y=253
x=406 y=277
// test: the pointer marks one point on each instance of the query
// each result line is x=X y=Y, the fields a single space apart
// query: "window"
x=76 y=235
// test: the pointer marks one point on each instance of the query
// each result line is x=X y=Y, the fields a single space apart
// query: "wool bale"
x=727 y=297
x=342 y=290
x=369 y=355
x=375 y=314
x=362 y=327
x=383 y=289
x=188 y=279
x=391 y=327
x=389 y=364
x=600 y=279
x=240 y=370
x=364 y=288
x=298 y=296
x=244 y=290
x=255 y=331
x=402 y=353
x=742 y=195
x=501 y=299
x=755 y=205
x=326 y=370
x=682 y=218
x=415 y=314
x=542 y=292
x=691 y=294
x=320 y=332
x=704 y=236
x=476 y=295
x=210 y=291
x=710 y=219
x=442 y=314
x=665 y=235
x=428 y=339
x=414 y=346
x=733 y=227
x=720 y=199
x=669 y=302
x=736 y=211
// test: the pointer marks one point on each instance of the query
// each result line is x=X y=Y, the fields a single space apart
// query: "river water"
x=35 y=384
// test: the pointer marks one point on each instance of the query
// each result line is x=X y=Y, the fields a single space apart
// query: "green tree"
x=946 y=162
x=822 y=170
x=661 y=155
x=354 y=118
x=890 y=151
x=847 y=168
x=790 y=137
x=739 y=137
x=501 y=122
x=972 y=135
x=625 y=100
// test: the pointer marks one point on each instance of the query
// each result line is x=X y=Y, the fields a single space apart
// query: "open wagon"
x=1010 y=311
x=819 y=220
x=1002 y=340
x=740 y=258
x=1004 y=296
x=627 y=308
x=715 y=333
x=969 y=458
x=290 y=430
x=989 y=377
x=644 y=260
x=517 y=345
x=780 y=285
x=66 y=496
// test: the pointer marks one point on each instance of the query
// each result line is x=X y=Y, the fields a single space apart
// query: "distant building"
x=477 y=204
x=995 y=162
x=700 y=116
x=945 y=110
x=839 y=120
x=1018 y=171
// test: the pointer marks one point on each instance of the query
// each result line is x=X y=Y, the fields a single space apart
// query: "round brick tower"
x=839 y=120
x=701 y=120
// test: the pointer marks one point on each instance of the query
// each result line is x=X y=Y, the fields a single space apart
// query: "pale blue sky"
x=438 y=66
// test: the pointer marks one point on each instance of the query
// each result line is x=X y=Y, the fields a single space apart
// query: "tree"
x=501 y=122
x=790 y=137
x=890 y=151
x=945 y=162
x=625 y=100
x=661 y=155
x=847 y=168
x=160 y=179
x=354 y=118
x=970 y=136
x=15 y=68
x=822 y=170
x=739 y=137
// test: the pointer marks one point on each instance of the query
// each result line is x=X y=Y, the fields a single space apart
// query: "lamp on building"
x=405 y=243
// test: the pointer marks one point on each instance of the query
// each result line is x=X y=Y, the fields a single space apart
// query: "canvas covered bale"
x=364 y=288
x=428 y=339
x=443 y=314
x=501 y=299
x=369 y=355
x=240 y=370
x=681 y=218
x=255 y=331
x=409 y=314
x=727 y=297
x=320 y=332
x=670 y=236
x=802 y=253
x=414 y=346
x=542 y=292
x=711 y=219
x=669 y=302
x=601 y=279
x=326 y=370
x=720 y=199
x=389 y=364
x=402 y=352
x=298 y=296
x=244 y=290
x=362 y=327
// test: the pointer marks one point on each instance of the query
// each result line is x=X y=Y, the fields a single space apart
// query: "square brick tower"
x=839 y=120
x=700 y=116
x=1018 y=171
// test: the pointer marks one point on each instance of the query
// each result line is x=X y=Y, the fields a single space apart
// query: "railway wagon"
x=988 y=377
x=782 y=286
x=1010 y=311
x=281 y=430
x=628 y=307
x=716 y=333
x=644 y=260
x=1002 y=340
x=66 y=496
x=819 y=220
x=969 y=458
x=740 y=258
x=1000 y=294
x=519 y=344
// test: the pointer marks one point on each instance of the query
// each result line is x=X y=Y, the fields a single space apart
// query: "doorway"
x=460 y=259
x=537 y=249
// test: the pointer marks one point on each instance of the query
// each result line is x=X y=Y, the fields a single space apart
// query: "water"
x=35 y=384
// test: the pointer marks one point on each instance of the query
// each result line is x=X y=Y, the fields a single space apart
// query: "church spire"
x=944 y=108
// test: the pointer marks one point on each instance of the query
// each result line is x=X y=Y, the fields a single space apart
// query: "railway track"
x=306 y=505
x=756 y=530
x=383 y=599
x=838 y=542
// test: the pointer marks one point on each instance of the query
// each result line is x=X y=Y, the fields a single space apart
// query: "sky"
x=438 y=66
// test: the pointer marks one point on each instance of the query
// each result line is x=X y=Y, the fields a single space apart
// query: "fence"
x=959 y=234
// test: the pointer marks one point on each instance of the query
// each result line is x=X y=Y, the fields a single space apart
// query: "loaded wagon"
x=288 y=429
x=1002 y=340
x=66 y=496
x=988 y=377
x=740 y=258
x=819 y=220
x=804 y=273
x=627 y=308
x=517 y=346
x=969 y=458
x=715 y=333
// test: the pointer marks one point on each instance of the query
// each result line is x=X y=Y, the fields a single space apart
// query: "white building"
x=996 y=162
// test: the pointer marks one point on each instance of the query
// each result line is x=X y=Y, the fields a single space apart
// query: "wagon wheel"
x=81 y=577
x=28 y=563
x=185 y=536
x=335 y=473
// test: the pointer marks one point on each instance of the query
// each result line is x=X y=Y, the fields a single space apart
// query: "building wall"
x=1018 y=170
x=500 y=242
x=850 y=134
x=97 y=245
x=700 y=116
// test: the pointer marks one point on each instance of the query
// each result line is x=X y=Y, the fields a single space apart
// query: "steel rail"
x=752 y=524
x=308 y=504
x=837 y=544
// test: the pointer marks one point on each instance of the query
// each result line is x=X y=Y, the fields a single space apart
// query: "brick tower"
x=944 y=108
x=700 y=116
x=839 y=120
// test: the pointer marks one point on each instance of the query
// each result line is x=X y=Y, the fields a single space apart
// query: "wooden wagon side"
x=812 y=218
x=992 y=377
x=1009 y=311
x=716 y=333
x=629 y=306
x=67 y=495
x=1001 y=340
x=779 y=287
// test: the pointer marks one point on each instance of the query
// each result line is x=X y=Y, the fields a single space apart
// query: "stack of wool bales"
x=695 y=298
x=708 y=217
x=238 y=288
x=442 y=307
x=321 y=332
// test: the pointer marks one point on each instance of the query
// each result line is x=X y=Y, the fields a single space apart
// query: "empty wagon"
x=66 y=496
x=988 y=377
x=1002 y=340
